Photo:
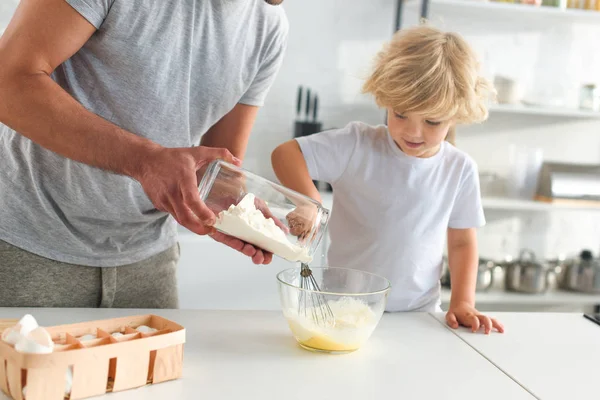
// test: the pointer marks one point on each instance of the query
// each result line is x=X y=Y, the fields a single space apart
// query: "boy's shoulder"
x=364 y=128
x=456 y=156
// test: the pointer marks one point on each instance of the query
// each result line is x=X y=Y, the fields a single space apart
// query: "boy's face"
x=415 y=134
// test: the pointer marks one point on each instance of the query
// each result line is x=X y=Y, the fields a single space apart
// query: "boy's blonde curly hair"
x=430 y=72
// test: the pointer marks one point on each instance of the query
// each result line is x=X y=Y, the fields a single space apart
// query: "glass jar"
x=263 y=213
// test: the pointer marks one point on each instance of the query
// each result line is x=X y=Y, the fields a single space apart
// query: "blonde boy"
x=401 y=190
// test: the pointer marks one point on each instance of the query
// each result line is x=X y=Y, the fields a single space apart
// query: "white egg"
x=116 y=334
x=28 y=324
x=22 y=328
x=68 y=382
x=88 y=337
x=145 y=329
x=11 y=335
x=37 y=341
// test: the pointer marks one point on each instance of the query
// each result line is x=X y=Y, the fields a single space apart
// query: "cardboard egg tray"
x=102 y=365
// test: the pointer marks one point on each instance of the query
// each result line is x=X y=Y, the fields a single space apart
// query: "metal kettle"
x=580 y=274
x=526 y=274
x=485 y=275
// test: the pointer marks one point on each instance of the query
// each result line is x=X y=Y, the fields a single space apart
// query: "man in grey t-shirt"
x=102 y=106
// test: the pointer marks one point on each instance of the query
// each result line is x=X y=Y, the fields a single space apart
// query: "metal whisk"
x=312 y=304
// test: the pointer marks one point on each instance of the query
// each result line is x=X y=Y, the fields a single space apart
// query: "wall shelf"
x=501 y=203
x=478 y=10
x=552 y=297
x=543 y=111
x=508 y=204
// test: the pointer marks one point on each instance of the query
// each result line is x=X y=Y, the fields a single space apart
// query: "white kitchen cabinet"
x=213 y=276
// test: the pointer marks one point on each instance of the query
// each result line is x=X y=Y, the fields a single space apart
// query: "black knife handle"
x=307 y=103
x=299 y=101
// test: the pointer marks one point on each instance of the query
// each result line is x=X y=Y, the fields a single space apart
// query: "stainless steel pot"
x=445 y=280
x=485 y=275
x=526 y=275
x=580 y=274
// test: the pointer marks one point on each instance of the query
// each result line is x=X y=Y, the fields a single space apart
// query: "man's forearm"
x=38 y=108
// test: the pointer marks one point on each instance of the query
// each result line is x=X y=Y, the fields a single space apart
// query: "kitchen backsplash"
x=334 y=55
x=330 y=49
x=549 y=235
x=7 y=8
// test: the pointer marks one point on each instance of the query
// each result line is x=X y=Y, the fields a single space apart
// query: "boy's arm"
x=291 y=169
x=324 y=157
x=463 y=263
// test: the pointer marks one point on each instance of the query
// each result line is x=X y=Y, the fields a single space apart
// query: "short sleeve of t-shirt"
x=467 y=211
x=257 y=93
x=94 y=11
x=328 y=153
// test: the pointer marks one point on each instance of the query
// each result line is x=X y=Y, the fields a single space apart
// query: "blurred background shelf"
x=508 y=204
x=543 y=111
x=552 y=297
x=501 y=203
x=478 y=10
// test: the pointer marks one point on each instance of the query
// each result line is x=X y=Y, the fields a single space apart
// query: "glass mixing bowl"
x=340 y=317
x=298 y=221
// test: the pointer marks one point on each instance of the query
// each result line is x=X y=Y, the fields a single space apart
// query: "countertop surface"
x=252 y=355
x=555 y=356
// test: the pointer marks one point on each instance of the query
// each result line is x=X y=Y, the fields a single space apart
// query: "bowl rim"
x=381 y=291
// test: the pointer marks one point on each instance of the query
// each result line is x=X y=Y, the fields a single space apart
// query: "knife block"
x=304 y=128
x=102 y=365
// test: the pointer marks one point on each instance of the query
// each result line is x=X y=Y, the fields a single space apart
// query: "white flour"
x=244 y=221
x=353 y=324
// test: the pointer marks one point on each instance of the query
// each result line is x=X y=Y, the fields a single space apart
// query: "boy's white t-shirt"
x=391 y=211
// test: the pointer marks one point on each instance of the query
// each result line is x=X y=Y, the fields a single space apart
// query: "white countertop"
x=555 y=356
x=252 y=355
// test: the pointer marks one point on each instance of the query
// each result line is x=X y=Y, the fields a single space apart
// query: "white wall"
x=7 y=8
x=335 y=53
x=330 y=47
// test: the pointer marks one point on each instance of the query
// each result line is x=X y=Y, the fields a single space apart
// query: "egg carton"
x=97 y=366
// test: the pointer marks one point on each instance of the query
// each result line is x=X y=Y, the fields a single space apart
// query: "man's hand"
x=465 y=314
x=258 y=256
x=168 y=177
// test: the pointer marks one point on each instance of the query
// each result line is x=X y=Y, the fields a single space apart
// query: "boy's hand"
x=466 y=315
x=262 y=206
x=301 y=220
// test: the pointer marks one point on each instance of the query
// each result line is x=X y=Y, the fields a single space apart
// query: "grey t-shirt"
x=166 y=70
